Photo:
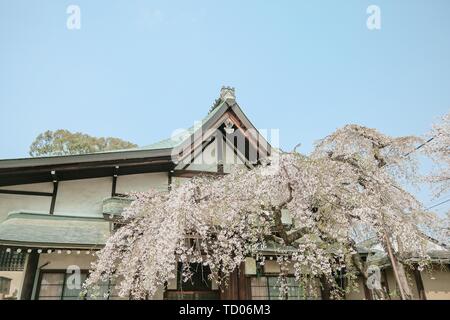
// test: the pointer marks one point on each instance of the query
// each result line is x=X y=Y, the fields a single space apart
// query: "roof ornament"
x=228 y=126
x=226 y=93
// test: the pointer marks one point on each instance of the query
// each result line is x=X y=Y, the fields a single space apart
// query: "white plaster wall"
x=159 y=294
x=16 y=281
x=271 y=267
x=231 y=159
x=142 y=182
x=12 y=202
x=207 y=161
x=393 y=284
x=437 y=284
x=41 y=187
x=82 y=197
x=178 y=181
x=60 y=261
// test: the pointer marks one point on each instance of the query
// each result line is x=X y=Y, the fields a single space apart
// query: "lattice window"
x=199 y=287
x=268 y=288
x=57 y=285
x=11 y=261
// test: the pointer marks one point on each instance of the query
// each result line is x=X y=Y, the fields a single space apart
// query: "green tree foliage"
x=64 y=142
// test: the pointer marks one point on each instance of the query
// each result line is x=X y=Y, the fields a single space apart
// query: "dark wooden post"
x=231 y=291
x=29 y=276
x=238 y=286
x=386 y=284
x=114 y=181
x=169 y=180
x=419 y=284
x=54 y=193
x=220 y=151
x=244 y=284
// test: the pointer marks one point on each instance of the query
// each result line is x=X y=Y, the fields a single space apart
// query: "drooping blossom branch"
x=346 y=191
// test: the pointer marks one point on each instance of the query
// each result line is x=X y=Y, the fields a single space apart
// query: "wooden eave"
x=35 y=170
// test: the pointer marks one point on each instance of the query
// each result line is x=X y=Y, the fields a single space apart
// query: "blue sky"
x=140 y=69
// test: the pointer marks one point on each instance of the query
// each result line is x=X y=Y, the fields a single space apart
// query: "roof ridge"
x=177 y=139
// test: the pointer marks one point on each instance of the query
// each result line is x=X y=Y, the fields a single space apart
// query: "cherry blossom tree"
x=438 y=148
x=348 y=190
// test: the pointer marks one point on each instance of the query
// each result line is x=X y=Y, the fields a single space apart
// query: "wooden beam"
x=198 y=140
x=206 y=144
x=113 y=187
x=82 y=173
x=55 y=191
x=236 y=151
x=27 y=193
x=114 y=181
x=244 y=130
x=220 y=154
x=193 y=173
x=85 y=165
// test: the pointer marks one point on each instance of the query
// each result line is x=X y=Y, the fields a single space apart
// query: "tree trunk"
x=325 y=288
x=404 y=281
x=399 y=272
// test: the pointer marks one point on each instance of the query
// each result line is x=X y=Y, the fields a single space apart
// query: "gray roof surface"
x=23 y=228
x=161 y=148
x=179 y=138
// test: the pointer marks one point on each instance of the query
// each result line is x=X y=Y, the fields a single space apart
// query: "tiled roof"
x=24 y=228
